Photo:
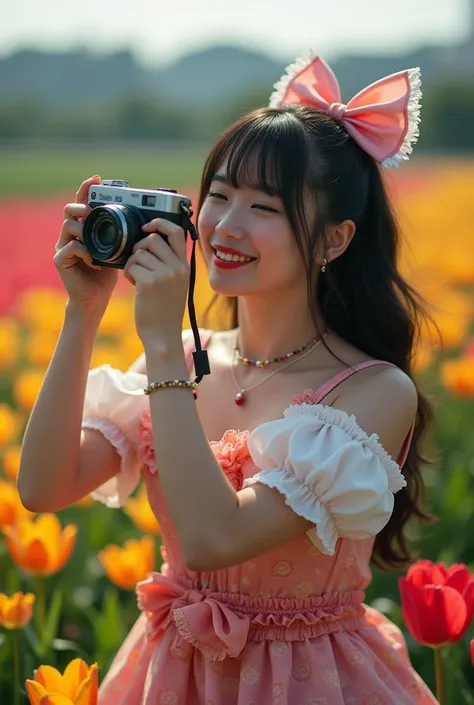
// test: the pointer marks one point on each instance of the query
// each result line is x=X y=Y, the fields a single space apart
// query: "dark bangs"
x=268 y=150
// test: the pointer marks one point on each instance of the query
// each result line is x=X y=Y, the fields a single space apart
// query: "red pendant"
x=240 y=399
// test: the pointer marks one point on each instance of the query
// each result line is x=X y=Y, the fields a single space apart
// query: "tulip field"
x=67 y=580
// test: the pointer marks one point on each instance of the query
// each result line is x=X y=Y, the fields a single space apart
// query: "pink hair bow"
x=383 y=118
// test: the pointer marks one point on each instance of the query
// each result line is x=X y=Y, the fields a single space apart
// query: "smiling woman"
x=271 y=508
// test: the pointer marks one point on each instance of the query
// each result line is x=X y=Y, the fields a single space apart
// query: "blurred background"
x=139 y=91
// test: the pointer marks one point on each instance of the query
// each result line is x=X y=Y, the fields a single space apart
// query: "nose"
x=231 y=226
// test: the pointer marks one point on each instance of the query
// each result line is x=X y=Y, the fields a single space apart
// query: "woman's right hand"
x=88 y=285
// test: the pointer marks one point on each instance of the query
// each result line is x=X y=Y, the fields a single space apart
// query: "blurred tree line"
x=447 y=112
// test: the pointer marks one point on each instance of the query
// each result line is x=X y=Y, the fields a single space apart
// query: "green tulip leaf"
x=5 y=648
x=52 y=622
x=33 y=641
x=109 y=626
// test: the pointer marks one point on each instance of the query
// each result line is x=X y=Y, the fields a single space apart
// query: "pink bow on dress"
x=383 y=118
x=203 y=620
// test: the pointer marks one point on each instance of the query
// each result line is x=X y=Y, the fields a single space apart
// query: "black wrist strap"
x=201 y=360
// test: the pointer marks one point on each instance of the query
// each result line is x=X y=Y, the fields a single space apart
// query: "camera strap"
x=201 y=360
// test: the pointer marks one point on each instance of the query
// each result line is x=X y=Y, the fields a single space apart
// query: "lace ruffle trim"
x=348 y=424
x=209 y=652
x=303 y=502
x=123 y=447
x=291 y=71
x=413 y=114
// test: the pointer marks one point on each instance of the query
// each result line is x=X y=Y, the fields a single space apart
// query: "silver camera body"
x=118 y=213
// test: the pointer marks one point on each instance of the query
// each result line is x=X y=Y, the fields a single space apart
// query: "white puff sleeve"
x=329 y=470
x=113 y=405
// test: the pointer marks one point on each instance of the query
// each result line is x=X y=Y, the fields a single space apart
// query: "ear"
x=339 y=238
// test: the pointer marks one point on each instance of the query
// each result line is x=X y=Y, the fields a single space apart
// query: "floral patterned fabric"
x=286 y=628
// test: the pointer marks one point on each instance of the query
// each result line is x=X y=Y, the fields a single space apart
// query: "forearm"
x=199 y=498
x=51 y=445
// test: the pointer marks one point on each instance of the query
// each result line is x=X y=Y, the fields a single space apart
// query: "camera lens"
x=105 y=234
x=109 y=229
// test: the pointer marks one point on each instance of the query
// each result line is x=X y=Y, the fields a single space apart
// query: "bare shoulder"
x=384 y=401
x=384 y=382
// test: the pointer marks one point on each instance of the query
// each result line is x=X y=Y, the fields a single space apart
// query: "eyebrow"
x=274 y=193
x=221 y=177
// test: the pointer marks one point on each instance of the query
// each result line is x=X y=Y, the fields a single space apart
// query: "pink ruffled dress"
x=289 y=627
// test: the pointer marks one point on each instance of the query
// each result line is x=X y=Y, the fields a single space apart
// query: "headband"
x=383 y=118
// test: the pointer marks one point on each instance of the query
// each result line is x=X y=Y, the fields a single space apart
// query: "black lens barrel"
x=110 y=231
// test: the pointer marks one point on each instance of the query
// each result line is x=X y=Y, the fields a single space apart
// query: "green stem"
x=40 y=607
x=16 y=667
x=438 y=675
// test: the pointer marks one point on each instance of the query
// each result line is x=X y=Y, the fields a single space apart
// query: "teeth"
x=232 y=258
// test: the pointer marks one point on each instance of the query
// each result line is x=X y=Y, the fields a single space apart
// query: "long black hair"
x=299 y=152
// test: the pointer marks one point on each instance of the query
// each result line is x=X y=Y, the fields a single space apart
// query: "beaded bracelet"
x=181 y=383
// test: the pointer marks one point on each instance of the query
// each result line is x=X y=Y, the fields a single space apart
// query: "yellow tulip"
x=39 y=347
x=16 y=611
x=9 y=343
x=459 y=265
x=78 y=685
x=9 y=424
x=458 y=376
x=107 y=354
x=11 y=508
x=11 y=461
x=130 y=347
x=26 y=387
x=118 y=317
x=422 y=358
x=55 y=699
x=139 y=510
x=126 y=566
x=40 y=547
x=41 y=308
x=453 y=329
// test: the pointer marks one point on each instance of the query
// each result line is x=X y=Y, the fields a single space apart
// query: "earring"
x=324 y=265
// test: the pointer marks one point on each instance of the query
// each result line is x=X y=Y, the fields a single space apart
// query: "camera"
x=114 y=225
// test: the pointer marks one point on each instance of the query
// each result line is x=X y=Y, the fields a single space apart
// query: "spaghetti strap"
x=335 y=381
x=406 y=446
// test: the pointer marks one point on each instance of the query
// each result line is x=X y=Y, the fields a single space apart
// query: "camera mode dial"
x=115 y=182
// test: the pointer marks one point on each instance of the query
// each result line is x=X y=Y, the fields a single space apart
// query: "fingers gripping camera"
x=118 y=213
x=114 y=226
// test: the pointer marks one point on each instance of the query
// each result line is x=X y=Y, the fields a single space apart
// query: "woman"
x=280 y=482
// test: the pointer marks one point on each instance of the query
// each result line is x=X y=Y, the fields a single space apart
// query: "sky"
x=160 y=31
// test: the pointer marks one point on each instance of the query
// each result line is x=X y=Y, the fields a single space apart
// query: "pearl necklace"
x=240 y=398
x=280 y=358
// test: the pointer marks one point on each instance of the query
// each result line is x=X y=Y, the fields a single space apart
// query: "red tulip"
x=472 y=651
x=437 y=602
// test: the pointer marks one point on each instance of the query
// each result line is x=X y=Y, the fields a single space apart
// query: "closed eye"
x=263 y=207
x=259 y=206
